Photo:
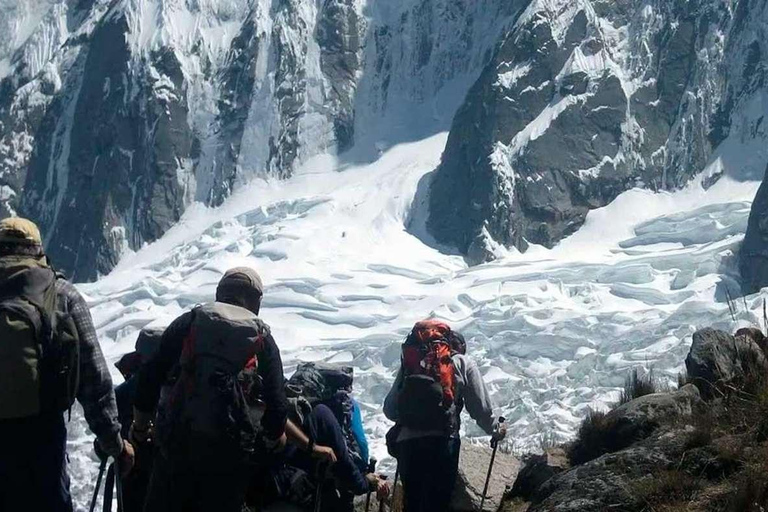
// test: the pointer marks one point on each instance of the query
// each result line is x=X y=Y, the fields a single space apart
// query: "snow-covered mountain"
x=361 y=153
x=586 y=99
x=116 y=115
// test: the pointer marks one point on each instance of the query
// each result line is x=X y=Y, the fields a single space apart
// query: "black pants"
x=203 y=483
x=429 y=467
x=33 y=465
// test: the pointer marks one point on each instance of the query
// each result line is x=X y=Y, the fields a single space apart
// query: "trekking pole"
x=109 y=487
x=371 y=469
x=102 y=469
x=119 y=488
x=394 y=486
x=381 y=501
x=494 y=445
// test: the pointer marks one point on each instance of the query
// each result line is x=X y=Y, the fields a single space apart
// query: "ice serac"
x=586 y=99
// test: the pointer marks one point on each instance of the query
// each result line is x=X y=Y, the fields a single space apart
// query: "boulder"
x=753 y=254
x=756 y=335
x=632 y=422
x=536 y=471
x=639 y=418
x=473 y=469
x=606 y=483
x=718 y=359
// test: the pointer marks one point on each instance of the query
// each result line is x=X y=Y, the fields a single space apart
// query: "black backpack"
x=39 y=343
x=330 y=385
x=208 y=398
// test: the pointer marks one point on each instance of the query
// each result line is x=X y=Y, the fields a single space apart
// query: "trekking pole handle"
x=372 y=465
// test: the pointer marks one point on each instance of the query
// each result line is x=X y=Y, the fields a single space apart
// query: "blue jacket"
x=359 y=432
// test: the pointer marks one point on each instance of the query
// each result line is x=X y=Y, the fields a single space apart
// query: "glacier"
x=349 y=267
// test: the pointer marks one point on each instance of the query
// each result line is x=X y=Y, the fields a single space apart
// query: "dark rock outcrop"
x=639 y=418
x=671 y=450
x=115 y=116
x=559 y=123
x=536 y=471
x=719 y=359
x=753 y=255
x=606 y=483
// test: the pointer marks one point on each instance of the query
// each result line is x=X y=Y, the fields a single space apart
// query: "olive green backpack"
x=39 y=344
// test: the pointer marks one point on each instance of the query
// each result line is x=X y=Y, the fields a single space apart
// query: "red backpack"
x=428 y=397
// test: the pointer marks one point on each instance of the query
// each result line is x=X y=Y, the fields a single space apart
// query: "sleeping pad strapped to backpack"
x=329 y=385
x=428 y=399
x=39 y=344
x=210 y=400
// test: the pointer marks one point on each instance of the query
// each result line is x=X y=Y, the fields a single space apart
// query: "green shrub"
x=636 y=386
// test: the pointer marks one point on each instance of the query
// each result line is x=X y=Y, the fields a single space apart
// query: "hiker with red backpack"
x=49 y=356
x=435 y=382
x=212 y=399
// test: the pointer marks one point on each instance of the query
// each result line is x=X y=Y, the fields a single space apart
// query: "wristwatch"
x=311 y=446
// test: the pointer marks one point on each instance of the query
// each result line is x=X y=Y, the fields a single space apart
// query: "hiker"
x=49 y=356
x=207 y=434
x=321 y=403
x=435 y=381
x=135 y=485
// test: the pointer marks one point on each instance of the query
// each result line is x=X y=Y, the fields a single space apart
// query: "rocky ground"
x=701 y=447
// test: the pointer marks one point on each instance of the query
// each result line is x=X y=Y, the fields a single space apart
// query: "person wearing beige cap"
x=49 y=357
x=207 y=436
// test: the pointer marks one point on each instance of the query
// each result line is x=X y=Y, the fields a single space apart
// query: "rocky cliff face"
x=116 y=115
x=586 y=99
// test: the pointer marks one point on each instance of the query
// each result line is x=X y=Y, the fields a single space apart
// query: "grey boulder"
x=718 y=359
x=473 y=469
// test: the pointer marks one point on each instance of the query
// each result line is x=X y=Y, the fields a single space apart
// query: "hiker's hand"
x=276 y=445
x=379 y=485
x=499 y=433
x=126 y=459
x=324 y=453
x=99 y=451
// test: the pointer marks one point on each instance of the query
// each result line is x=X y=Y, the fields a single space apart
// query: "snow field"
x=554 y=332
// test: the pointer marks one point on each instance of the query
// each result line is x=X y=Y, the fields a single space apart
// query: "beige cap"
x=16 y=230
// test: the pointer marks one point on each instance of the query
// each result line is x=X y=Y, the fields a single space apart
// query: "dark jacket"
x=154 y=374
x=95 y=392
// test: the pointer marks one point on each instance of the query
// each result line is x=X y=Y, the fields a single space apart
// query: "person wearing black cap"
x=191 y=389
